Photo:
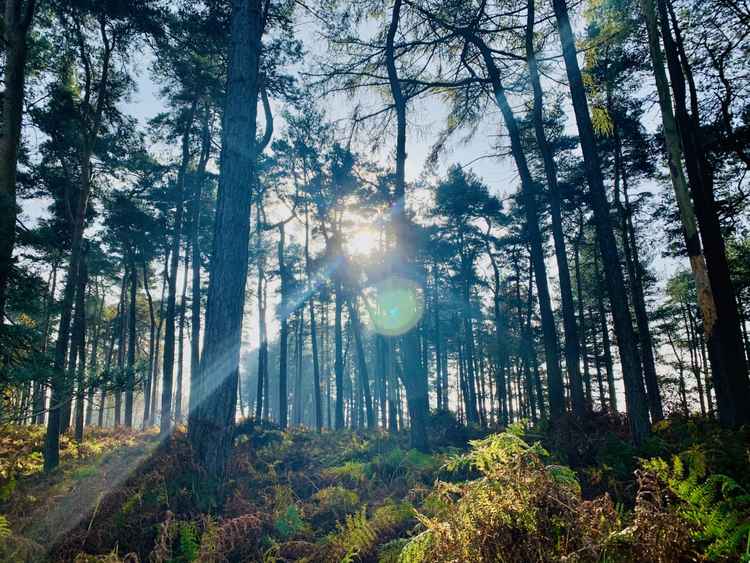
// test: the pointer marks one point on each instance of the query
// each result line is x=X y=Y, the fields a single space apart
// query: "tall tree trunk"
x=16 y=24
x=317 y=402
x=261 y=292
x=58 y=395
x=284 y=313
x=500 y=335
x=606 y=345
x=80 y=336
x=728 y=363
x=151 y=350
x=156 y=368
x=572 y=350
x=361 y=362
x=635 y=394
x=581 y=316
x=40 y=400
x=298 y=350
x=94 y=360
x=679 y=183
x=472 y=414
x=635 y=272
x=122 y=341
x=195 y=243
x=437 y=337
x=338 y=365
x=549 y=330
x=132 y=343
x=211 y=425
x=413 y=376
x=178 y=415
x=169 y=331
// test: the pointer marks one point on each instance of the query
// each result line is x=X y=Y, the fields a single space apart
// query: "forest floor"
x=580 y=493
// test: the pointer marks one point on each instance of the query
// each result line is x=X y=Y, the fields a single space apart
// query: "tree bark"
x=79 y=378
x=130 y=368
x=414 y=377
x=572 y=350
x=338 y=365
x=635 y=274
x=17 y=21
x=178 y=414
x=632 y=376
x=551 y=349
x=151 y=350
x=284 y=313
x=169 y=331
x=726 y=349
x=211 y=425
x=361 y=362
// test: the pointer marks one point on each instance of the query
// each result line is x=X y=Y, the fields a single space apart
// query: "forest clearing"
x=404 y=282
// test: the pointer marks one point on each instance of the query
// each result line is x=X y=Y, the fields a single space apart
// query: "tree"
x=115 y=28
x=211 y=421
x=632 y=375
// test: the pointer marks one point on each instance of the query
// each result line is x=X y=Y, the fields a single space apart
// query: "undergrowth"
x=577 y=493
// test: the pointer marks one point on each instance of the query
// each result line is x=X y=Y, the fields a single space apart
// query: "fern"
x=189 y=545
x=417 y=550
x=4 y=527
x=716 y=505
x=355 y=536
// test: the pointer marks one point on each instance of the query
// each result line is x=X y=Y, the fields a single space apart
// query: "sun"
x=363 y=242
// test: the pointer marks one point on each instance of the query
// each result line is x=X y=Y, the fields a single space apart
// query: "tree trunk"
x=122 y=341
x=132 y=343
x=414 y=377
x=58 y=396
x=151 y=351
x=635 y=394
x=211 y=425
x=727 y=355
x=339 y=357
x=554 y=376
x=679 y=182
x=581 y=317
x=361 y=362
x=156 y=367
x=298 y=351
x=572 y=350
x=80 y=336
x=608 y=364
x=16 y=24
x=284 y=313
x=169 y=331
x=635 y=275
x=178 y=415
x=94 y=361
x=195 y=287
x=500 y=335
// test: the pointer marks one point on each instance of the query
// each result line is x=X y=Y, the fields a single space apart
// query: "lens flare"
x=396 y=307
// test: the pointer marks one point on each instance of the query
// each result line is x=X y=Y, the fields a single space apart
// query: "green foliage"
x=336 y=499
x=289 y=522
x=85 y=472
x=352 y=471
x=411 y=465
x=358 y=536
x=516 y=508
x=716 y=506
x=390 y=552
x=187 y=534
x=355 y=536
x=417 y=550
x=4 y=527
